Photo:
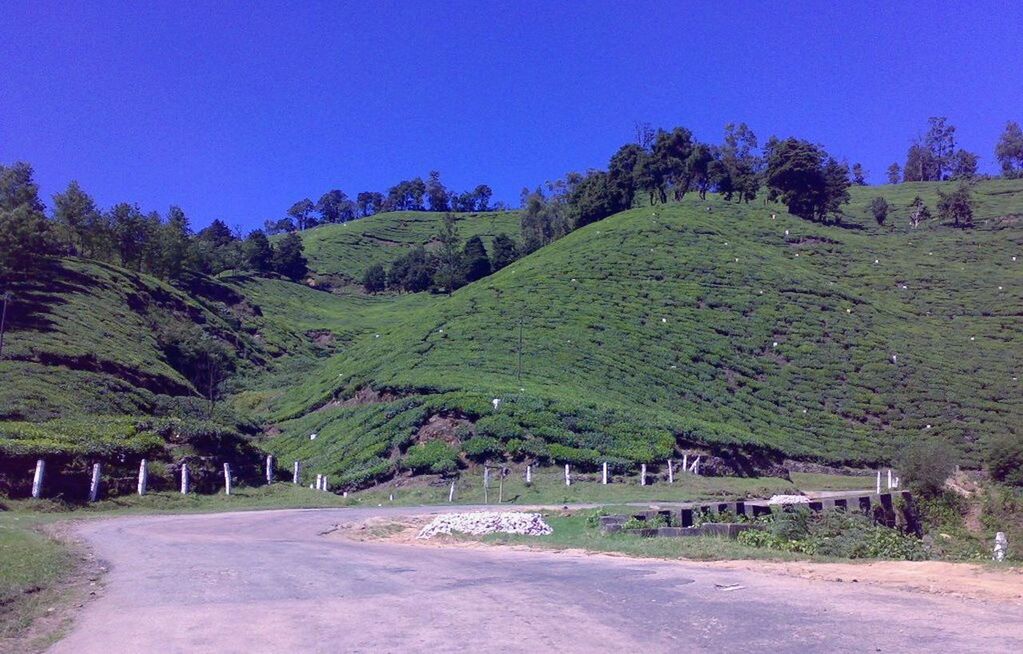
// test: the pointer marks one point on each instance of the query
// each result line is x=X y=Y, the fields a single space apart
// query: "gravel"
x=487 y=522
x=789 y=499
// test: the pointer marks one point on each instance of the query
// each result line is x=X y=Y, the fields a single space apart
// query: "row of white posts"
x=893 y=482
x=143 y=478
x=687 y=468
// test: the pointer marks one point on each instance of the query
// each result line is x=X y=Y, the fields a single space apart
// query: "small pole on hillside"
x=685 y=463
x=486 y=484
x=227 y=479
x=298 y=470
x=603 y=478
x=671 y=472
x=143 y=477
x=94 y=484
x=890 y=479
x=269 y=469
x=7 y=297
x=451 y=493
x=642 y=474
x=185 y=479
x=878 y=482
x=37 y=480
x=568 y=476
x=529 y=474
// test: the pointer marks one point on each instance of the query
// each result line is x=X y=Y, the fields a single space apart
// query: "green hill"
x=675 y=325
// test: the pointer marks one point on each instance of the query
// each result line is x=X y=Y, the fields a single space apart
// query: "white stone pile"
x=789 y=499
x=487 y=522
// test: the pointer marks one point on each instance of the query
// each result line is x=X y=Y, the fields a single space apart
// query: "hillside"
x=675 y=324
x=345 y=251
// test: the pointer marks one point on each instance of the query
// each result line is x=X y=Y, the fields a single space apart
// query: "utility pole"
x=3 y=319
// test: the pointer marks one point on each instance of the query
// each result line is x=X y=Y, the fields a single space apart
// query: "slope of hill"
x=346 y=251
x=669 y=325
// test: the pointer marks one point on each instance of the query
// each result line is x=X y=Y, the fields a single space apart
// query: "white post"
x=896 y=482
x=568 y=476
x=878 y=482
x=890 y=479
x=671 y=472
x=642 y=474
x=529 y=474
x=319 y=482
x=326 y=486
x=298 y=469
x=451 y=493
x=94 y=485
x=269 y=469
x=695 y=468
x=37 y=480
x=685 y=463
x=1001 y=545
x=185 y=479
x=390 y=498
x=143 y=477
x=603 y=479
x=227 y=479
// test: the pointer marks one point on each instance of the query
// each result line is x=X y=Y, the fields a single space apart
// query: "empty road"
x=271 y=581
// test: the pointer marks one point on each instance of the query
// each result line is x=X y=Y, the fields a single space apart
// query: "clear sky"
x=234 y=110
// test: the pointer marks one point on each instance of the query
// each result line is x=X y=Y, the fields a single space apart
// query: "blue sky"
x=235 y=110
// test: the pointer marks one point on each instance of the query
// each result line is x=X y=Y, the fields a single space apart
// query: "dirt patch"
x=367 y=395
x=808 y=241
x=445 y=428
x=323 y=338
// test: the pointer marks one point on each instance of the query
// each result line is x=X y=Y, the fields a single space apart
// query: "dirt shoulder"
x=952 y=579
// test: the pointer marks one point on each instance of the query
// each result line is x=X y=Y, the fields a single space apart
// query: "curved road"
x=271 y=581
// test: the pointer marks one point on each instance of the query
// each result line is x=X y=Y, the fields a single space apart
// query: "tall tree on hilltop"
x=436 y=193
x=859 y=176
x=173 y=251
x=335 y=207
x=1009 y=150
x=302 y=213
x=130 y=233
x=894 y=173
x=476 y=263
x=623 y=171
x=671 y=152
x=940 y=140
x=699 y=164
x=738 y=154
x=921 y=165
x=957 y=205
x=964 y=165
x=482 y=194
x=24 y=231
x=370 y=202
x=74 y=212
x=809 y=181
x=288 y=259
x=259 y=254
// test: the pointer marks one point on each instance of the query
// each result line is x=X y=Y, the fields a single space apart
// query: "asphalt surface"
x=276 y=581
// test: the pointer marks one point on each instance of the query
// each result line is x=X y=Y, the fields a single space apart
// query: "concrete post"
x=37 y=480
x=451 y=493
x=269 y=469
x=296 y=473
x=603 y=478
x=1001 y=546
x=642 y=474
x=319 y=482
x=695 y=468
x=186 y=480
x=878 y=482
x=143 y=477
x=685 y=463
x=227 y=479
x=94 y=484
x=568 y=476
x=529 y=474
x=326 y=486
x=671 y=472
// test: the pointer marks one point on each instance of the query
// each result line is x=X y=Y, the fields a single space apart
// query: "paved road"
x=271 y=582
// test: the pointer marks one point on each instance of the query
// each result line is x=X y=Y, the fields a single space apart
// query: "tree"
x=436 y=193
x=24 y=232
x=918 y=212
x=259 y=254
x=375 y=279
x=476 y=263
x=894 y=173
x=957 y=206
x=940 y=140
x=302 y=212
x=335 y=207
x=482 y=194
x=623 y=171
x=282 y=226
x=859 y=176
x=802 y=175
x=964 y=165
x=1009 y=150
x=542 y=221
x=130 y=233
x=449 y=257
x=738 y=155
x=288 y=259
x=879 y=207
x=505 y=251
x=172 y=253
x=1005 y=458
x=594 y=199
x=74 y=212
x=926 y=464
x=412 y=272
x=369 y=203
x=921 y=165
x=700 y=167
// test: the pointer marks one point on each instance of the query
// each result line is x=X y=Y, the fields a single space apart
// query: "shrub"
x=481 y=448
x=1005 y=459
x=926 y=464
x=435 y=456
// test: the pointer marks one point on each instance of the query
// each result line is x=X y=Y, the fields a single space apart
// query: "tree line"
x=335 y=206
x=162 y=245
x=936 y=157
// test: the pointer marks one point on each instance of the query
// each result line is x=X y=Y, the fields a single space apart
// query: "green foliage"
x=288 y=259
x=475 y=262
x=1005 y=459
x=24 y=232
x=804 y=177
x=375 y=279
x=482 y=448
x=833 y=533
x=434 y=456
x=1009 y=150
x=879 y=207
x=926 y=463
x=957 y=205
